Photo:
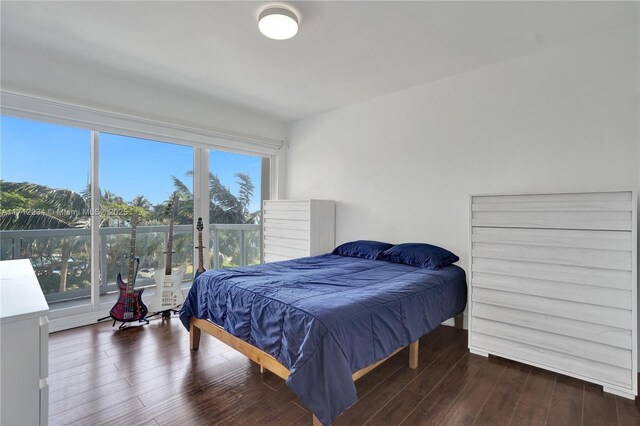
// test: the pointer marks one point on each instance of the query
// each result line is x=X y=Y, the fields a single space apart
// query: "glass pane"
x=237 y=188
x=139 y=175
x=45 y=206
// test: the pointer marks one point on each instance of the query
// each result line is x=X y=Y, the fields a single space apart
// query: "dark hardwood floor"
x=148 y=376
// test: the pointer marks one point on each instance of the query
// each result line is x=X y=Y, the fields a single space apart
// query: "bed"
x=322 y=322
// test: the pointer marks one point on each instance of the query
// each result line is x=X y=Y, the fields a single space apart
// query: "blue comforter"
x=327 y=316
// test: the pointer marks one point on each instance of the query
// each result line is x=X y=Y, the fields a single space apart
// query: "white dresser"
x=24 y=334
x=554 y=284
x=297 y=228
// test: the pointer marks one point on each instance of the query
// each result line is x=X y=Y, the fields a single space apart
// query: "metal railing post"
x=216 y=248
x=17 y=248
x=261 y=244
x=243 y=249
x=103 y=266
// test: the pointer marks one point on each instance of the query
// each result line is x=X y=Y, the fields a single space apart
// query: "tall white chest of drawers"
x=24 y=334
x=297 y=228
x=554 y=283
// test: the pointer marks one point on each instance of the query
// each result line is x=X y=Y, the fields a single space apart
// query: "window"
x=235 y=210
x=143 y=176
x=50 y=173
x=45 y=205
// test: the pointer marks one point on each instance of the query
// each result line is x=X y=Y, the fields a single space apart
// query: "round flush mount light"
x=278 y=22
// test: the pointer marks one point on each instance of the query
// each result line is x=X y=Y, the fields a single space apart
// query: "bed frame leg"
x=316 y=422
x=458 y=320
x=194 y=337
x=413 y=354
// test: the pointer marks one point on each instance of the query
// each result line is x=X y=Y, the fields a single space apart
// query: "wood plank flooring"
x=148 y=376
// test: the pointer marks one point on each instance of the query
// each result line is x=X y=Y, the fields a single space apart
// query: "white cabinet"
x=554 y=284
x=24 y=334
x=297 y=228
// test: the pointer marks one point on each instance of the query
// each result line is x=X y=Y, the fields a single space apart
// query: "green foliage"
x=43 y=207
x=246 y=191
x=12 y=201
x=62 y=263
x=64 y=204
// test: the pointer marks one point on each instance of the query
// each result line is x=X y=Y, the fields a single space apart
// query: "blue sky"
x=59 y=157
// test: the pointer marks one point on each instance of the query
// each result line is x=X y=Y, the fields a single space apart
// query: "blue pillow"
x=362 y=248
x=421 y=255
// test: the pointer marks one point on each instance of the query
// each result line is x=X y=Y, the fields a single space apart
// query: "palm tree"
x=224 y=207
x=185 y=202
x=110 y=197
x=141 y=202
x=246 y=191
x=52 y=208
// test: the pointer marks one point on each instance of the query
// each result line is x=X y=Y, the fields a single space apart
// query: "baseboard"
x=625 y=393
x=88 y=318
x=480 y=352
x=73 y=321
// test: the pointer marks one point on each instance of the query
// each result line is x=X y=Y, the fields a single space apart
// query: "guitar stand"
x=145 y=320
x=166 y=314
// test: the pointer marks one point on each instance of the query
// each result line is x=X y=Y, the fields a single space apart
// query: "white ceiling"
x=345 y=52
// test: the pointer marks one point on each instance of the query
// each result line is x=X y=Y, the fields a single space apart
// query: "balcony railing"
x=231 y=245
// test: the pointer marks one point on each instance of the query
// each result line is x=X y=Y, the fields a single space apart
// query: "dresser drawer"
x=290 y=252
x=270 y=240
x=274 y=224
x=287 y=205
x=274 y=257
x=298 y=234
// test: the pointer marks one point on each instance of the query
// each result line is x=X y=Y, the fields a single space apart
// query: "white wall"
x=401 y=167
x=51 y=75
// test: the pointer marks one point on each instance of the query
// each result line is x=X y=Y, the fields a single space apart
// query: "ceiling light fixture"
x=278 y=22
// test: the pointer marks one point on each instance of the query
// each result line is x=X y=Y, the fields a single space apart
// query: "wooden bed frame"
x=266 y=361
